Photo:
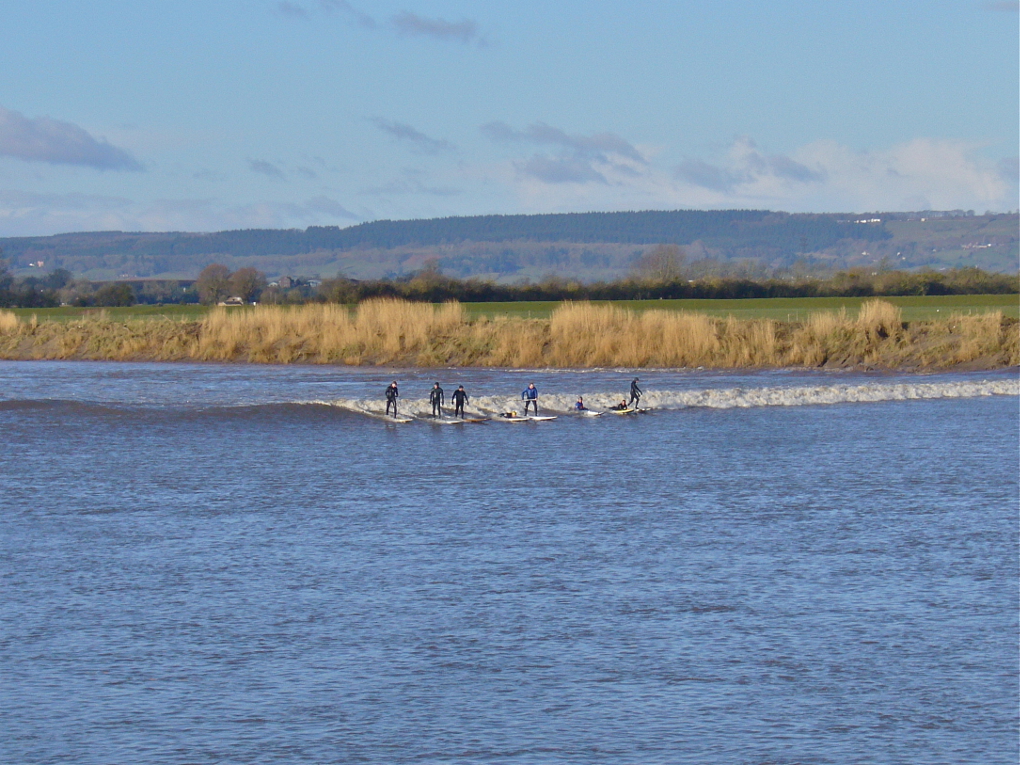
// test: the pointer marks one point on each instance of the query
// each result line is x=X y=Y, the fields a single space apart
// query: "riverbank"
x=399 y=333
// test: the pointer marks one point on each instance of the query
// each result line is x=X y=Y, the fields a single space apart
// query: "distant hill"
x=510 y=247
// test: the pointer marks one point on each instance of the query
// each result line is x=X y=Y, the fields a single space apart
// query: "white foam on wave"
x=714 y=398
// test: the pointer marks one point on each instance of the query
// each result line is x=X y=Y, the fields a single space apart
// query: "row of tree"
x=662 y=273
x=216 y=283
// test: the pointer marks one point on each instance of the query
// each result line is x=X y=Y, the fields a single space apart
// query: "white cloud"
x=818 y=177
x=44 y=139
x=29 y=214
x=579 y=159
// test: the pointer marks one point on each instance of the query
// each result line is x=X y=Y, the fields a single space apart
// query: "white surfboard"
x=387 y=417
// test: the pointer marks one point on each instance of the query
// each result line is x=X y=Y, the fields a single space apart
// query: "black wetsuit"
x=459 y=399
x=436 y=398
x=635 y=394
x=392 y=394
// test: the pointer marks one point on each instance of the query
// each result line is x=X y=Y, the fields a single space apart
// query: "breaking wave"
x=715 y=398
x=551 y=403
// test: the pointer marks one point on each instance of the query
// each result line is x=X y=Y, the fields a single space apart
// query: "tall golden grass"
x=8 y=321
x=384 y=332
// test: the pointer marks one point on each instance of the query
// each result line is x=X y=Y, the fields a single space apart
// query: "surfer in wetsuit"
x=579 y=406
x=460 y=397
x=635 y=394
x=392 y=394
x=437 y=399
x=530 y=398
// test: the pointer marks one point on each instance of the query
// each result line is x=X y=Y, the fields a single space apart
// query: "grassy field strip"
x=778 y=309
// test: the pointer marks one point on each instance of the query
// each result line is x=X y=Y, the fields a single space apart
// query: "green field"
x=66 y=313
x=780 y=309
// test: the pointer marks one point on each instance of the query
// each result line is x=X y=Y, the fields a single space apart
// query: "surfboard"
x=623 y=411
x=589 y=413
x=387 y=418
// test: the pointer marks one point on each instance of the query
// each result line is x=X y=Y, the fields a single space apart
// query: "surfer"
x=622 y=406
x=635 y=394
x=530 y=398
x=460 y=397
x=437 y=399
x=392 y=394
x=579 y=406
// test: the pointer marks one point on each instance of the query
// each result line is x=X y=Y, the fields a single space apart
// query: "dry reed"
x=8 y=321
x=380 y=332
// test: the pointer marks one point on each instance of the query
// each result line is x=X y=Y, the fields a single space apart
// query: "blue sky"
x=227 y=114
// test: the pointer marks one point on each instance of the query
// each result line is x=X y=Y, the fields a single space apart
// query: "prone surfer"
x=437 y=399
x=622 y=406
x=635 y=394
x=392 y=394
x=460 y=397
x=530 y=398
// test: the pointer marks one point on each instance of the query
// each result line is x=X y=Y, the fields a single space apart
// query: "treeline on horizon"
x=217 y=283
x=724 y=229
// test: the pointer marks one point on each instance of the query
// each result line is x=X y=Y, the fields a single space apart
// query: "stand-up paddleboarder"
x=460 y=397
x=530 y=398
x=392 y=394
x=437 y=399
x=635 y=394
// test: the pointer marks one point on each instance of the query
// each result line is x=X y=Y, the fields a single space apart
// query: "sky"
x=227 y=114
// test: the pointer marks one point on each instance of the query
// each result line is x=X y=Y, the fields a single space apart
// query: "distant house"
x=286 y=282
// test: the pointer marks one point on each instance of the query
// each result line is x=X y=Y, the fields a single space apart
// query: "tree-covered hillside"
x=580 y=245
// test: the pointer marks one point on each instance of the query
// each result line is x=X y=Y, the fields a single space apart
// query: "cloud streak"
x=266 y=168
x=579 y=158
x=746 y=166
x=404 y=132
x=44 y=139
x=407 y=23
x=342 y=6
